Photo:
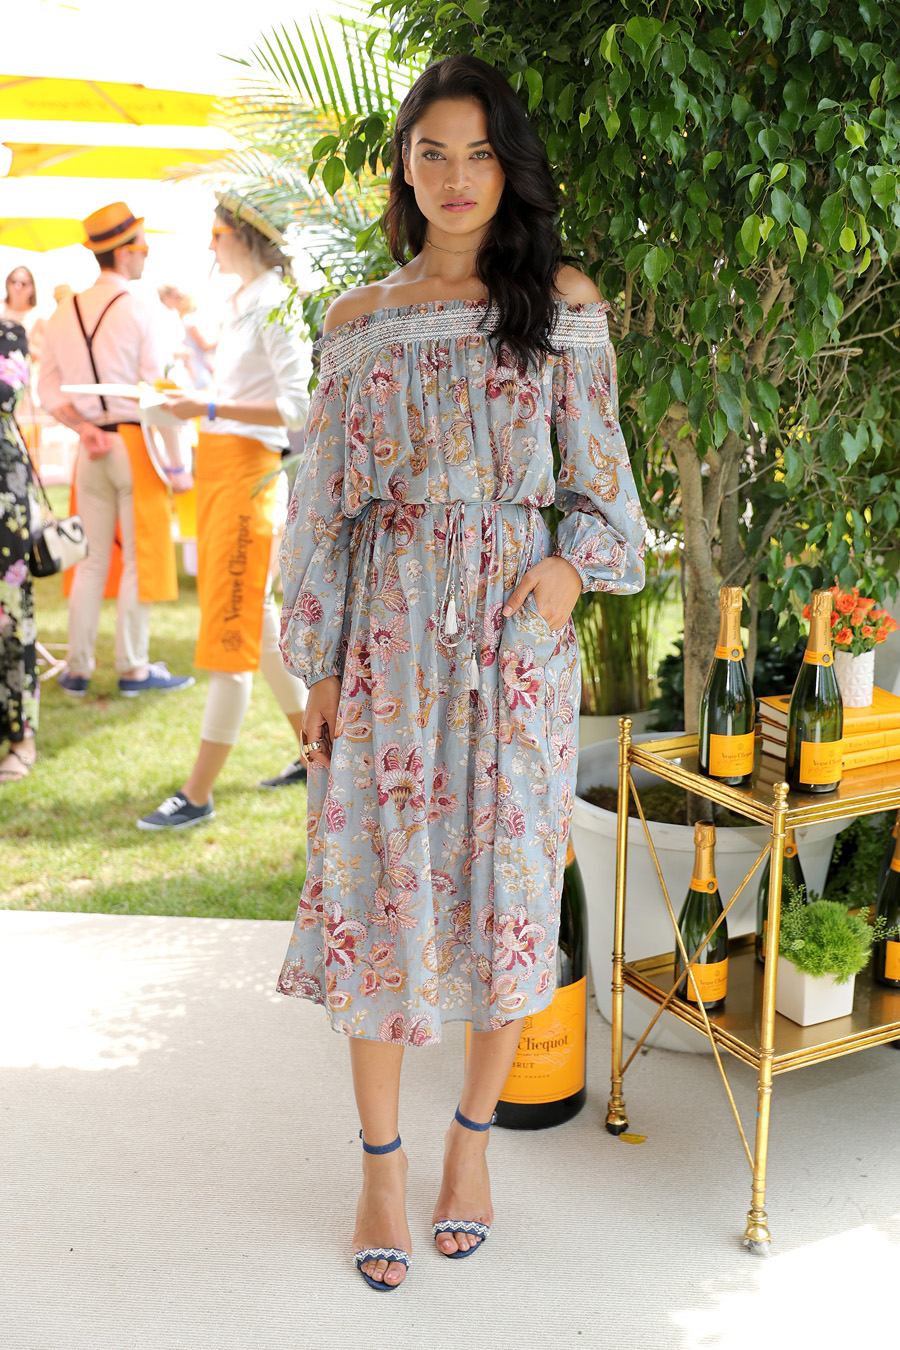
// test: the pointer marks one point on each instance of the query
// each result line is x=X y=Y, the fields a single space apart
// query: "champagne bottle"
x=790 y=871
x=546 y=1084
x=887 y=952
x=887 y=855
x=816 y=713
x=727 y=707
x=699 y=912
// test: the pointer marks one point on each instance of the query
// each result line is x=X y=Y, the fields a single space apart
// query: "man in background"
x=106 y=336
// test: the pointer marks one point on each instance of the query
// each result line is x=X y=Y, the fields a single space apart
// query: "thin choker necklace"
x=457 y=252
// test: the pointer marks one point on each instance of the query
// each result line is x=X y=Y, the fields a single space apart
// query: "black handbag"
x=58 y=544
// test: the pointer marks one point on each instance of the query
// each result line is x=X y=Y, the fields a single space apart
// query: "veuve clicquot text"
x=701 y=909
x=816 y=713
x=887 y=855
x=790 y=871
x=887 y=952
x=546 y=1084
x=727 y=706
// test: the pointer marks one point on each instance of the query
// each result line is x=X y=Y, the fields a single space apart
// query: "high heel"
x=471 y=1226
x=380 y=1253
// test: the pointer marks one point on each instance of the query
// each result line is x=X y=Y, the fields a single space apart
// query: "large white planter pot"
x=592 y=729
x=809 y=999
x=648 y=930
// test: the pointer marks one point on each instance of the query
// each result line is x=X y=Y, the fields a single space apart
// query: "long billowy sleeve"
x=603 y=527
x=315 y=549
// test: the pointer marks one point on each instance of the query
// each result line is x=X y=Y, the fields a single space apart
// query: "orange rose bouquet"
x=857 y=626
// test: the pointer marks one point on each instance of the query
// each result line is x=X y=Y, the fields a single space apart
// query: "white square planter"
x=808 y=999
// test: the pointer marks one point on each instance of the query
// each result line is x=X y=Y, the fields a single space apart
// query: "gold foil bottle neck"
x=790 y=843
x=704 y=834
x=731 y=597
x=820 y=605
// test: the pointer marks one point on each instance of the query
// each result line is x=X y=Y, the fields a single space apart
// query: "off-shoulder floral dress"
x=437 y=840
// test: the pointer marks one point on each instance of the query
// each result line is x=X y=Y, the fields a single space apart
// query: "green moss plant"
x=824 y=938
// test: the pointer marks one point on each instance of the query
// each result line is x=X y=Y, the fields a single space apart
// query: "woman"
x=18 y=509
x=428 y=612
x=262 y=381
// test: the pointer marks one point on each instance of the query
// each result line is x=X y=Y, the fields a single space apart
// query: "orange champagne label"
x=892 y=961
x=570 y=854
x=705 y=884
x=820 y=761
x=549 y=1063
x=735 y=653
x=731 y=756
x=895 y=864
x=712 y=981
x=818 y=658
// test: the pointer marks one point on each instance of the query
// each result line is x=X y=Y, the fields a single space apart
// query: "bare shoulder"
x=354 y=304
x=575 y=288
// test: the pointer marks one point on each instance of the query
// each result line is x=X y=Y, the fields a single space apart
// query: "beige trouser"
x=105 y=496
x=229 y=694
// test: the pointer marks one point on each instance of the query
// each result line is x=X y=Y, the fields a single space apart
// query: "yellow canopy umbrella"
x=39 y=98
x=48 y=159
x=41 y=233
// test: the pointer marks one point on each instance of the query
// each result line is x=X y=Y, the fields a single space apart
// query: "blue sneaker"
x=177 y=813
x=159 y=677
x=76 y=685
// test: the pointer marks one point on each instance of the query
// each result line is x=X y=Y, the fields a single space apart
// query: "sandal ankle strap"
x=380 y=1148
x=472 y=1124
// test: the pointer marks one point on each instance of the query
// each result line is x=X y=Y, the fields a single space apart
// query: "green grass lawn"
x=68 y=839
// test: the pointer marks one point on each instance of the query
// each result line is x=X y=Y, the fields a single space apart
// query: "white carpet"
x=180 y=1160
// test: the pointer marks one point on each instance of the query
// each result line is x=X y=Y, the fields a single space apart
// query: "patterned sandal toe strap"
x=472 y=1226
x=382 y=1254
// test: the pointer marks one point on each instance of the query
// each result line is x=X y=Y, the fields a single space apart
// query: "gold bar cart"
x=749 y=1028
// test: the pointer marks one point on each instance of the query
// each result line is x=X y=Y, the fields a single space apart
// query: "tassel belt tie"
x=455 y=617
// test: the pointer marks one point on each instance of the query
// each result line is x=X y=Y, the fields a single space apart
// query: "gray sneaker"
x=294 y=773
x=159 y=677
x=177 y=813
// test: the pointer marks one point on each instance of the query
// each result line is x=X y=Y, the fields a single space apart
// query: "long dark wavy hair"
x=521 y=253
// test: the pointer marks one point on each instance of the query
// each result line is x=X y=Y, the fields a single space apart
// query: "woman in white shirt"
x=261 y=382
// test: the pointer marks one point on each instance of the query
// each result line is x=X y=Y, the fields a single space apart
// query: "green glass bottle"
x=699 y=912
x=816 y=713
x=887 y=952
x=887 y=855
x=790 y=871
x=727 y=706
x=547 y=1082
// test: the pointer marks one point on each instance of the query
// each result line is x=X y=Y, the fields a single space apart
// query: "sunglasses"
x=221 y=229
x=138 y=248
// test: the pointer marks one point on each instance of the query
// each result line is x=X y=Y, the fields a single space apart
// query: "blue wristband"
x=211 y=411
x=173 y=472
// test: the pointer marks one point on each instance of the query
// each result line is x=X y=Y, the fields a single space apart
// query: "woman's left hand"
x=185 y=406
x=556 y=585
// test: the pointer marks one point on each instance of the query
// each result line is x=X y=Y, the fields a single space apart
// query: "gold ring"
x=311 y=746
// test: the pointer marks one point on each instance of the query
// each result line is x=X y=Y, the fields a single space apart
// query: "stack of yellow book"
x=871 y=735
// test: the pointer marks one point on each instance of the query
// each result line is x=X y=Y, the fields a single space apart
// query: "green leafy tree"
x=729 y=175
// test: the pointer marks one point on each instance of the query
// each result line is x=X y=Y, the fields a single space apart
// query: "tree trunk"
x=701 y=601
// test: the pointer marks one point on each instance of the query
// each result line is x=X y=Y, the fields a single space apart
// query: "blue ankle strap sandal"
x=380 y=1253
x=471 y=1226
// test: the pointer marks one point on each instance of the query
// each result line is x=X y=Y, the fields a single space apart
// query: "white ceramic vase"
x=808 y=999
x=856 y=678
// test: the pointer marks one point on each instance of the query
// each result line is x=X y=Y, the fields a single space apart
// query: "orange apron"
x=234 y=542
x=157 y=573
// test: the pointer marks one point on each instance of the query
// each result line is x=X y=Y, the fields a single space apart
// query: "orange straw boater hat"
x=111 y=226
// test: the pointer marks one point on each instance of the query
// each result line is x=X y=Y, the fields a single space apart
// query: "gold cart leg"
x=756 y=1235
x=616 y=1119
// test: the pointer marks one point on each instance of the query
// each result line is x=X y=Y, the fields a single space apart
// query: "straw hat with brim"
x=111 y=226
x=243 y=210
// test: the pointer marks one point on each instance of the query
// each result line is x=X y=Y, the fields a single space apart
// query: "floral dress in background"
x=18 y=505
x=437 y=840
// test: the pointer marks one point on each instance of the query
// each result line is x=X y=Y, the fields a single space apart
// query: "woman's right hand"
x=320 y=717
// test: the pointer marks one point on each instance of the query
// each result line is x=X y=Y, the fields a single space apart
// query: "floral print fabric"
x=436 y=842
x=18 y=505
